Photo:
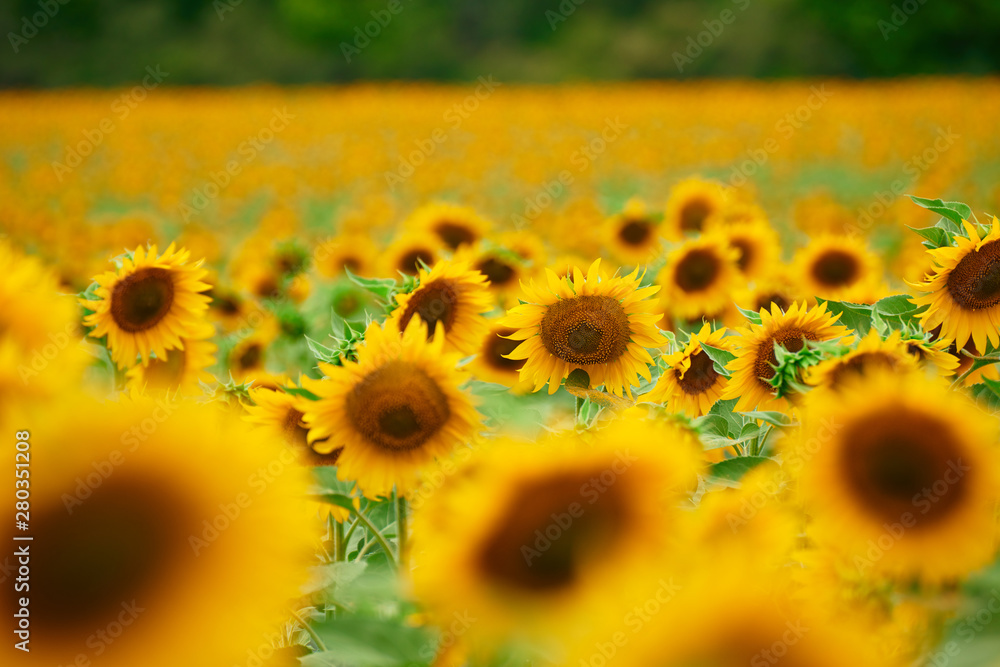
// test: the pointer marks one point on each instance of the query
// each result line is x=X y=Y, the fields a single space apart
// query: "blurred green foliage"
x=220 y=42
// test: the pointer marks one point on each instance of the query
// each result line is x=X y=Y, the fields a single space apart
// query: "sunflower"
x=872 y=354
x=963 y=295
x=691 y=204
x=902 y=474
x=529 y=538
x=454 y=225
x=453 y=294
x=247 y=360
x=699 y=277
x=756 y=243
x=754 y=350
x=393 y=411
x=690 y=384
x=408 y=251
x=838 y=268
x=181 y=370
x=936 y=354
x=504 y=268
x=633 y=236
x=598 y=324
x=149 y=305
x=354 y=252
x=776 y=287
x=154 y=516
x=228 y=307
x=491 y=363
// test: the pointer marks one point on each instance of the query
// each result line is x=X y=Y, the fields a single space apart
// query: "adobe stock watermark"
x=31 y=25
x=901 y=13
x=696 y=44
x=454 y=117
x=372 y=29
x=581 y=158
x=248 y=150
x=564 y=11
x=771 y=655
x=123 y=105
x=104 y=637
x=451 y=632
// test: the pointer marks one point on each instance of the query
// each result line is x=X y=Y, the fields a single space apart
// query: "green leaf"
x=299 y=391
x=936 y=236
x=855 y=316
x=735 y=420
x=719 y=357
x=322 y=352
x=372 y=642
x=952 y=210
x=752 y=315
x=734 y=469
x=898 y=311
x=770 y=417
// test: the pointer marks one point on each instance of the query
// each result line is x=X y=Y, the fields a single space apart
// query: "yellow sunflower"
x=598 y=324
x=756 y=243
x=153 y=518
x=633 y=236
x=690 y=384
x=754 y=350
x=228 y=307
x=491 y=363
x=393 y=411
x=776 y=287
x=529 y=538
x=149 y=305
x=963 y=295
x=247 y=360
x=182 y=370
x=354 y=252
x=934 y=353
x=407 y=251
x=872 y=354
x=699 y=277
x=838 y=268
x=453 y=294
x=901 y=473
x=454 y=225
x=692 y=203
x=503 y=268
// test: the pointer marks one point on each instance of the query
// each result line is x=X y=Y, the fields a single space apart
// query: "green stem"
x=312 y=633
x=378 y=536
x=347 y=541
x=336 y=536
x=401 y=529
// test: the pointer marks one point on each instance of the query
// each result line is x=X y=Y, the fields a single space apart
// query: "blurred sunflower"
x=408 y=251
x=491 y=363
x=690 y=384
x=354 y=252
x=167 y=542
x=872 y=354
x=776 y=287
x=633 y=236
x=393 y=411
x=181 y=370
x=932 y=353
x=149 y=305
x=756 y=243
x=838 y=268
x=227 y=307
x=452 y=294
x=247 y=359
x=754 y=350
x=504 y=269
x=699 y=277
x=454 y=225
x=692 y=203
x=598 y=324
x=907 y=462
x=963 y=295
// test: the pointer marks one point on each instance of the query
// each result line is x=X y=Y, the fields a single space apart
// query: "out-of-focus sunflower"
x=165 y=543
x=633 y=236
x=963 y=295
x=149 y=305
x=692 y=203
x=932 y=353
x=504 y=269
x=491 y=363
x=247 y=360
x=838 y=268
x=690 y=384
x=598 y=324
x=454 y=225
x=407 y=251
x=393 y=411
x=776 y=287
x=453 y=294
x=182 y=370
x=699 y=277
x=872 y=354
x=756 y=243
x=228 y=307
x=529 y=539
x=354 y=252
x=904 y=463
x=754 y=350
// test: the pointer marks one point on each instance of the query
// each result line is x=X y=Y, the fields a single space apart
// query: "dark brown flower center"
x=745 y=248
x=836 y=268
x=497 y=271
x=410 y=262
x=398 y=407
x=434 y=302
x=765 y=301
x=227 y=304
x=697 y=270
x=974 y=283
x=894 y=458
x=861 y=364
x=550 y=531
x=693 y=215
x=586 y=329
x=454 y=234
x=700 y=377
x=250 y=357
x=497 y=347
x=635 y=232
x=140 y=300
x=789 y=337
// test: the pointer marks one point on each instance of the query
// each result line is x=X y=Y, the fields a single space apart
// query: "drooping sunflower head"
x=354 y=252
x=690 y=384
x=692 y=203
x=872 y=354
x=905 y=463
x=408 y=252
x=598 y=324
x=182 y=370
x=700 y=277
x=393 y=411
x=149 y=305
x=492 y=363
x=963 y=295
x=838 y=268
x=454 y=225
x=452 y=294
x=755 y=356
x=633 y=236
x=163 y=541
x=559 y=523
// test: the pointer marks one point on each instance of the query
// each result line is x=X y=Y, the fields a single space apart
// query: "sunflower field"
x=593 y=375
